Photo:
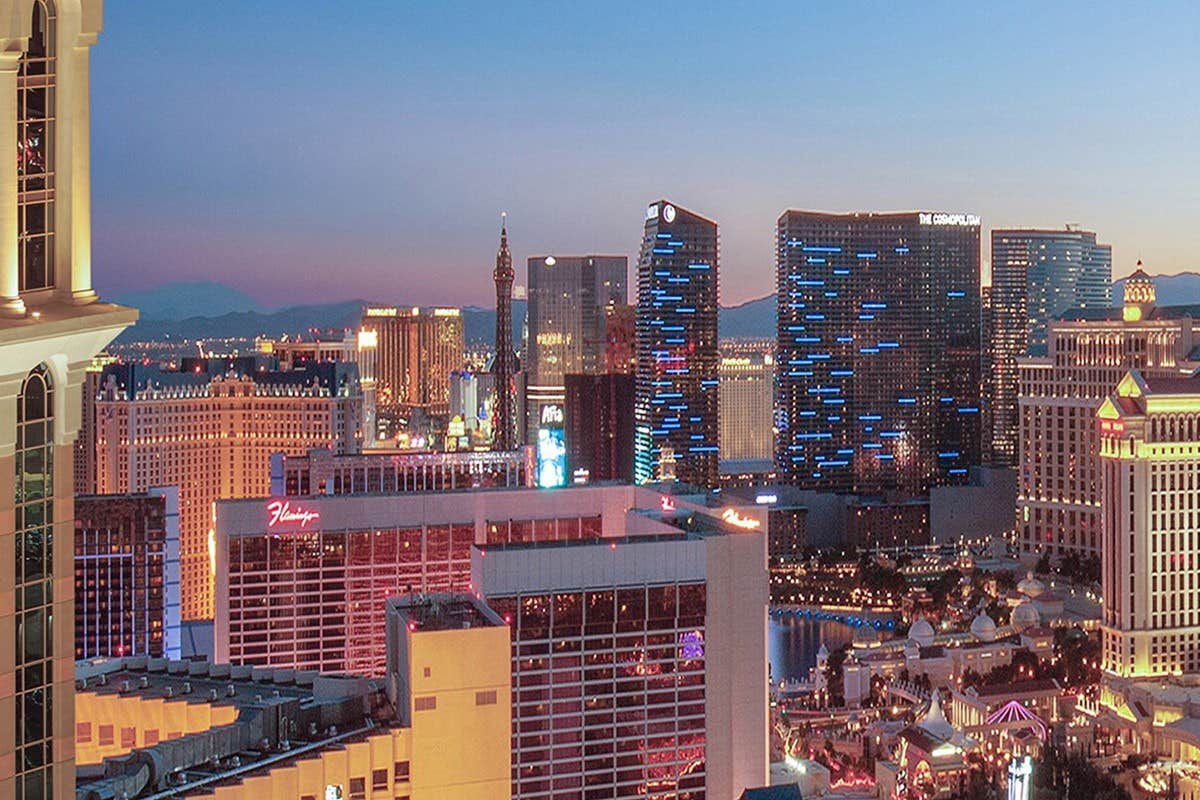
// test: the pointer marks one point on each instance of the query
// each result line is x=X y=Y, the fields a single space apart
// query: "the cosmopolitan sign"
x=282 y=512
x=965 y=220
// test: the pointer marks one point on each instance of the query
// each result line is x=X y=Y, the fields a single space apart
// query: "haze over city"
x=369 y=154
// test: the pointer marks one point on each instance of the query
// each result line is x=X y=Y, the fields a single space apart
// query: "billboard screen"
x=551 y=458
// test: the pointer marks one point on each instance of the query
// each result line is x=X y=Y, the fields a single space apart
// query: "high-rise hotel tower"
x=1149 y=430
x=568 y=300
x=879 y=350
x=51 y=325
x=1037 y=275
x=1088 y=352
x=675 y=396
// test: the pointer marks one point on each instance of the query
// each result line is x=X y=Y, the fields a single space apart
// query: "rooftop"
x=321 y=710
x=1116 y=314
x=443 y=611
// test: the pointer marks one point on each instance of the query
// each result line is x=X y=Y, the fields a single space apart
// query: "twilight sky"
x=307 y=150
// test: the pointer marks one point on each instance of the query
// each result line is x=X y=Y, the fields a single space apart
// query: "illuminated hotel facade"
x=1088 y=352
x=654 y=603
x=353 y=348
x=212 y=434
x=51 y=326
x=1149 y=432
x=230 y=732
x=416 y=349
x=676 y=395
x=878 y=356
x=1037 y=275
x=747 y=390
x=568 y=296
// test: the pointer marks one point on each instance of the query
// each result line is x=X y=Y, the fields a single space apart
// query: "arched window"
x=35 y=151
x=34 y=590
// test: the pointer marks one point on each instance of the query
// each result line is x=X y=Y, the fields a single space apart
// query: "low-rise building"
x=148 y=727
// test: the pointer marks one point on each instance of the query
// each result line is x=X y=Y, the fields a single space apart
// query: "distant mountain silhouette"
x=751 y=320
x=212 y=310
x=1181 y=289
x=184 y=300
x=248 y=324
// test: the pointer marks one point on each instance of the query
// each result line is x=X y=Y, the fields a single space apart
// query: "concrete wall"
x=984 y=508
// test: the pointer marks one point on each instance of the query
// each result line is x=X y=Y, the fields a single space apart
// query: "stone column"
x=11 y=304
x=73 y=170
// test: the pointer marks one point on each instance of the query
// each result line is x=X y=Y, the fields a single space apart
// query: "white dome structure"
x=935 y=721
x=1031 y=586
x=921 y=632
x=1025 y=616
x=983 y=627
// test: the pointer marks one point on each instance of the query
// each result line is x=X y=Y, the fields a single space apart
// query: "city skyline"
x=933 y=534
x=517 y=104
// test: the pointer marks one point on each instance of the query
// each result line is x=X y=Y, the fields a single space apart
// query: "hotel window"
x=401 y=771
x=33 y=590
x=35 y=151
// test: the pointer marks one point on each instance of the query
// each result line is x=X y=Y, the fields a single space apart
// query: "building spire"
x=504 y=365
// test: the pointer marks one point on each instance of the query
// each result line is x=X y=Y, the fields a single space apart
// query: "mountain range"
x=202 y=310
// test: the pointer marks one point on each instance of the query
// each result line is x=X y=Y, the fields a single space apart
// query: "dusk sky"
x=307 y=154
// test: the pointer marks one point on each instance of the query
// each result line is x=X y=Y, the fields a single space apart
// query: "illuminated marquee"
x=962 y=220
x=553 y=338
x=735 y=519
x=281 y=512
x=552 y=415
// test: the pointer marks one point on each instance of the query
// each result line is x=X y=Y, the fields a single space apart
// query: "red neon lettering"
x=281 y=511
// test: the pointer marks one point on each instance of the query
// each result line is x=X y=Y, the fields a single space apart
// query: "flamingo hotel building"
x=638 y=651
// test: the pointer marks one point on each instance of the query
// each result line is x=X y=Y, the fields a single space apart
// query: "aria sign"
x=281 y=512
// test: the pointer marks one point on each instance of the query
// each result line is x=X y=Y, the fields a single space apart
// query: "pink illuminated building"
x=638 y=618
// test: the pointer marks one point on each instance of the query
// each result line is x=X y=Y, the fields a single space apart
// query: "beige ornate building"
x=51 y=325
x=1150 y=454
x=1058 y=489
x=212 y=434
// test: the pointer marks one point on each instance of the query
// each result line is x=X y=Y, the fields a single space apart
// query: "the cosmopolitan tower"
x=675 y=403
x=504 y=428
x=879 y=350
x=51 y=325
